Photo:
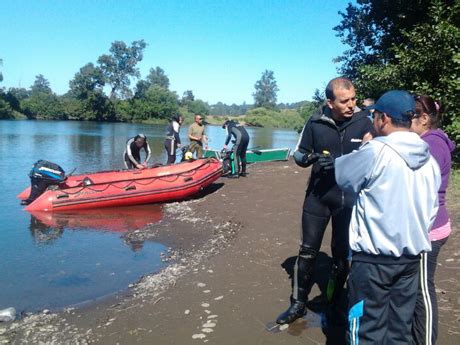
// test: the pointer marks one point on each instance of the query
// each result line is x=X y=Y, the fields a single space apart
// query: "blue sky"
x=218 y=49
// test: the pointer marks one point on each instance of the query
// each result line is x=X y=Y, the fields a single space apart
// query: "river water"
x=62 y=260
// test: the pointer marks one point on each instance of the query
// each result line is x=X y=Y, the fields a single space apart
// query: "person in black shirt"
x=132 y=154
x=335 y=130
x=241 y=138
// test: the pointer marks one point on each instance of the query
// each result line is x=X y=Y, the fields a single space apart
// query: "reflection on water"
x=72 y=258
x=119 y=219
x=46 y=227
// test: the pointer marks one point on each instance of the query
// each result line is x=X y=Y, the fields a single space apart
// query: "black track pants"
x=315 y=218
x=425 y=322
x=381 y=300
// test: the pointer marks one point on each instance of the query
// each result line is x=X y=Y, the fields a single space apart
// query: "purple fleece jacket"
x=441 y=147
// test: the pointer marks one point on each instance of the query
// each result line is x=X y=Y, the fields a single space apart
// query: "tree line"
x=393 y=44
x=102 y=91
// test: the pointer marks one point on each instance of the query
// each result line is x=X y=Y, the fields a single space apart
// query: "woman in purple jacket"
x=425 y=124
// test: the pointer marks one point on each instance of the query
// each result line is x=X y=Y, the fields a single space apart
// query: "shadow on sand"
x=331 y=319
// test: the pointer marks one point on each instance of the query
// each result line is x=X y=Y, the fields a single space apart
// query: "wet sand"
x=231 y=254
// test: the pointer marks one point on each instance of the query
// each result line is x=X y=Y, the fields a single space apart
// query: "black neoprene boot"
x=296 y=310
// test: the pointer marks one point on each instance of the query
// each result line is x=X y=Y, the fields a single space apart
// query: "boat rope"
x=148 y=180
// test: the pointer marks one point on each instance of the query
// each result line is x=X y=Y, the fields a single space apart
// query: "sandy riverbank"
x=233 y=251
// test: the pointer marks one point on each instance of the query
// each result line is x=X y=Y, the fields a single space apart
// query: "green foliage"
x=266 y=89
x=223 y=109
x=14 y=96
x=6 y=112
x=43 y=105
x=198 y=107
x=159 y=103
x=187 y=97
x=41 y=85
x=1 y=75
x=157 y=77
x=413 y=45
x=307 y=110
x=263 y=117
x=120 y=65
x=87 y=81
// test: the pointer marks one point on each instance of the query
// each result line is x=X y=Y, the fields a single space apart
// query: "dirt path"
x=230 y=287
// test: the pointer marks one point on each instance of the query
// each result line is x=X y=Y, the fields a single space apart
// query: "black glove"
x=311 y=158
x=326 y=162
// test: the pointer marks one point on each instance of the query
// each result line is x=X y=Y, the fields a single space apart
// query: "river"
x=59 y=261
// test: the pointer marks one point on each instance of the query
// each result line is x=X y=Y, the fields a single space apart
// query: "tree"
x=411 y=47
x=41 y=84
x=158 y=103
x=1 y=75
x=88 y=80
x=266 y=89
x=157 y=77
x=120 y=65
x=14 y=96
x=187 y=97
x=198 y=107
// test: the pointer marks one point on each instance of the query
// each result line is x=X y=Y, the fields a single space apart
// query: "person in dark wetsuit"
x=132 y=154
x=172 y=141
x=241 y=138
x=334 y=131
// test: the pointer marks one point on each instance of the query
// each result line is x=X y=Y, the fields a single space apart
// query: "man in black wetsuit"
x=241 y=138
x=132 y=154
x=332 y=132
x=172 y=140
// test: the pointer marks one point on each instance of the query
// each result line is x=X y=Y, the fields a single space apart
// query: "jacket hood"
x=440 y=134
x=409 y=146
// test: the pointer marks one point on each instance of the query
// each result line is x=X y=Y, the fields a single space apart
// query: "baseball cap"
x=397 y=104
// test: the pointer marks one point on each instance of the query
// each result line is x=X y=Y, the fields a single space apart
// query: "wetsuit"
x=172 y=140
x=324 y=200
x=132 y=154
x=241 y=137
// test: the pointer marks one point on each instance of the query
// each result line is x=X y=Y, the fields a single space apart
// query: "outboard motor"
x=43 y=175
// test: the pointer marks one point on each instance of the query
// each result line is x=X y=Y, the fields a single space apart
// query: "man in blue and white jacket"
x=395 y=181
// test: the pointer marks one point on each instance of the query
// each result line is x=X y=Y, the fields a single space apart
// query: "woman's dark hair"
x=426 y=104
x=176 y=117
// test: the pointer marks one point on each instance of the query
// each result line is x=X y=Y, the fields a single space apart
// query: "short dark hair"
x=341 y=82
x=396 y=122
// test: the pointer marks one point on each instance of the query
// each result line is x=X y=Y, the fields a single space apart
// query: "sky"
x=218 y=49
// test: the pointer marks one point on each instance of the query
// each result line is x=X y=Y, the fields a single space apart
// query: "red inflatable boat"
x=127 y=187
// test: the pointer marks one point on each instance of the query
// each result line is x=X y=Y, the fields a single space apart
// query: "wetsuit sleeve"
x=303 y=152
x=129 y=152
x=147 y=151
x=176 y=128
x=353 y=170
x=229 y=136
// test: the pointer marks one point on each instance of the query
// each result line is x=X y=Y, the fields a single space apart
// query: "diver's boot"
x=296 y=310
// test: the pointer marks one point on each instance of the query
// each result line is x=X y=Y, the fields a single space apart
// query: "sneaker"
x=233 y=176
x=243 y=174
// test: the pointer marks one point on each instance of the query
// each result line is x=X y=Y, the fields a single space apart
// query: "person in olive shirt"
x=197 y=136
